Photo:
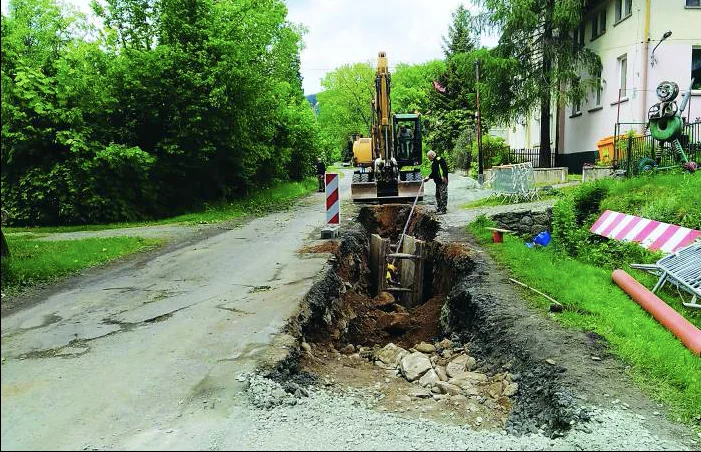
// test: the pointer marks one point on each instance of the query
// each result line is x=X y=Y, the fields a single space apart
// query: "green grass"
x=32 y=262
x=276 y=197
x=658 y=361
x=672 y=197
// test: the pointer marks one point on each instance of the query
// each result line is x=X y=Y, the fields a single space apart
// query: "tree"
x=453 y=110
x=170 y=104
x=345 y=104
x=411 y=85
x=540 y=36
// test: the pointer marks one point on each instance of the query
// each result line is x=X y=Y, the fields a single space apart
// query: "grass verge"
x=32 y=262
x=658 y=361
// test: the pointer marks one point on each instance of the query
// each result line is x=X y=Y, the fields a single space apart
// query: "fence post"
x=629 y=155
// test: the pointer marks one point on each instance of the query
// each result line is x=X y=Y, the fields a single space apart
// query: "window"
x=578 y=36
x=623 y=75
x=597 y=90
x=598 y=24
x=577 y=108
x=624 y=8
x=692 y=3
x=696 y=67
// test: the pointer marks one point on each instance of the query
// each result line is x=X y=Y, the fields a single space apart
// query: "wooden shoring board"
x=411 y=271
x=378 y=263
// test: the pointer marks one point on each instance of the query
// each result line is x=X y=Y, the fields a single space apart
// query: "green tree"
x=540 y=36
x=453 y=110
x=168 y=104
x=411 y=85
x=345 y=104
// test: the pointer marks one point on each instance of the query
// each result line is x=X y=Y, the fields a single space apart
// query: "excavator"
x=394 y=144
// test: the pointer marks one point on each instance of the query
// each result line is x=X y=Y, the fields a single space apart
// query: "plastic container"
x=542 y=239
x=605 y=146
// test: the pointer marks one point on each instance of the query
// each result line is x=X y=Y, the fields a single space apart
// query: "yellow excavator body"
x=380 y=178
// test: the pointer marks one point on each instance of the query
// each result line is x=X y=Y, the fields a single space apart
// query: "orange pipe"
x=684 y=330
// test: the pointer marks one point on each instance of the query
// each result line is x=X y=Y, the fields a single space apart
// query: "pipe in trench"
x=684 y=330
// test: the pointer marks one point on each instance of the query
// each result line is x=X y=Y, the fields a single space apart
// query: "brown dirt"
x=330 y=246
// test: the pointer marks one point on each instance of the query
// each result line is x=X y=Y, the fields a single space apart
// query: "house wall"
x=673 y=62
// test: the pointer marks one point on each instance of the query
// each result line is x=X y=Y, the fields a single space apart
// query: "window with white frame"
x=693 y=3
x=578 y=36
x=598 y=24
x=696 y=67
x=624 y=9
x=597 y=89
x=622 y=75
x=576 y=108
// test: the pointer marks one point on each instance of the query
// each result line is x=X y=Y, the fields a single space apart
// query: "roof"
x=407 y=116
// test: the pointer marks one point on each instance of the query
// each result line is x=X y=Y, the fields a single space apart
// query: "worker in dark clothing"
x=439 y=174
x=320 y=171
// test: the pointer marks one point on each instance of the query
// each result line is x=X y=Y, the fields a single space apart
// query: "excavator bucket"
x=365 y=189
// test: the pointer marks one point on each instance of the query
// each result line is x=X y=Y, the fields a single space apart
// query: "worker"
x=391 y=275
x=439 y=174
x=405 y=137
x=320 y=171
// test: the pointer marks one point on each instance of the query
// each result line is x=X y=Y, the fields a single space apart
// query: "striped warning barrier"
x=650 y=234
x=332 y=199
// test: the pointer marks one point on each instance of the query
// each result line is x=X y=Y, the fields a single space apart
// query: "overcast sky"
x=351 y=31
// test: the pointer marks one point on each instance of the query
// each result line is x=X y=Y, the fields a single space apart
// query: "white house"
x=637 y=51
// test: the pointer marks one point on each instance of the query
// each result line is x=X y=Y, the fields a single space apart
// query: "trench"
x=433 y=351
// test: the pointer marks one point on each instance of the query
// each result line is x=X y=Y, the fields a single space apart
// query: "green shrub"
x=574 y=214
x=494 y=151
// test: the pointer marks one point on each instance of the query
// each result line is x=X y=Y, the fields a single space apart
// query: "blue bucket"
x=542 y=239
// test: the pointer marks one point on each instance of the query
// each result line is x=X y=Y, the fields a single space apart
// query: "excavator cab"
x=407 y=144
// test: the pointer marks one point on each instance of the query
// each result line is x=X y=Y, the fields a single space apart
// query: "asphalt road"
x=144 y=353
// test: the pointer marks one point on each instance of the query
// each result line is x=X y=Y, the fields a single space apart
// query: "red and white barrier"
x=333 y=202
x=650 y=234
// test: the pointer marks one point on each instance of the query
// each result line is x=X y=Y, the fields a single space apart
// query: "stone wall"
x=590 y=173
x=525 y=222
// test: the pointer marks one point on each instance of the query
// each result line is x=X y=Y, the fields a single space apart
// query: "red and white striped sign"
x=332 y=199
x=650 y=234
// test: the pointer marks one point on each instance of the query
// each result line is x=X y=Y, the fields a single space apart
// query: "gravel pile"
x=330 y=420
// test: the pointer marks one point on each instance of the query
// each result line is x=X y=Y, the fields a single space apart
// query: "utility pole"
x=480 y=167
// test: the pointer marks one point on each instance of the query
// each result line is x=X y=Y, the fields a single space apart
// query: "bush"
x=460 y=157
x=574 y=214
x=494 y=151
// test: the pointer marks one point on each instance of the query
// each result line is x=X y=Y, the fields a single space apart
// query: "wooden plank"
x=399 y=289
x=406 y=271
x=499 y=229
x=402 y=256
x=418 y=285
x=378 y=263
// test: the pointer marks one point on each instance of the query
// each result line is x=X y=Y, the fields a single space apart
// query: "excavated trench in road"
x=451 y=356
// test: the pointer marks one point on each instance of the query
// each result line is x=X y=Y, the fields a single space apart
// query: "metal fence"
x=494 y=158
x=634 y=153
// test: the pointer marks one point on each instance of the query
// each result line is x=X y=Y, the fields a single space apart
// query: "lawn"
x=34 y=261
x=576 y=269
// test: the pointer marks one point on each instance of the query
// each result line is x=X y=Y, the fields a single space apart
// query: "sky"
x=354 y=31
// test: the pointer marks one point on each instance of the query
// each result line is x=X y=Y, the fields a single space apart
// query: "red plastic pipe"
x=684 y=330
